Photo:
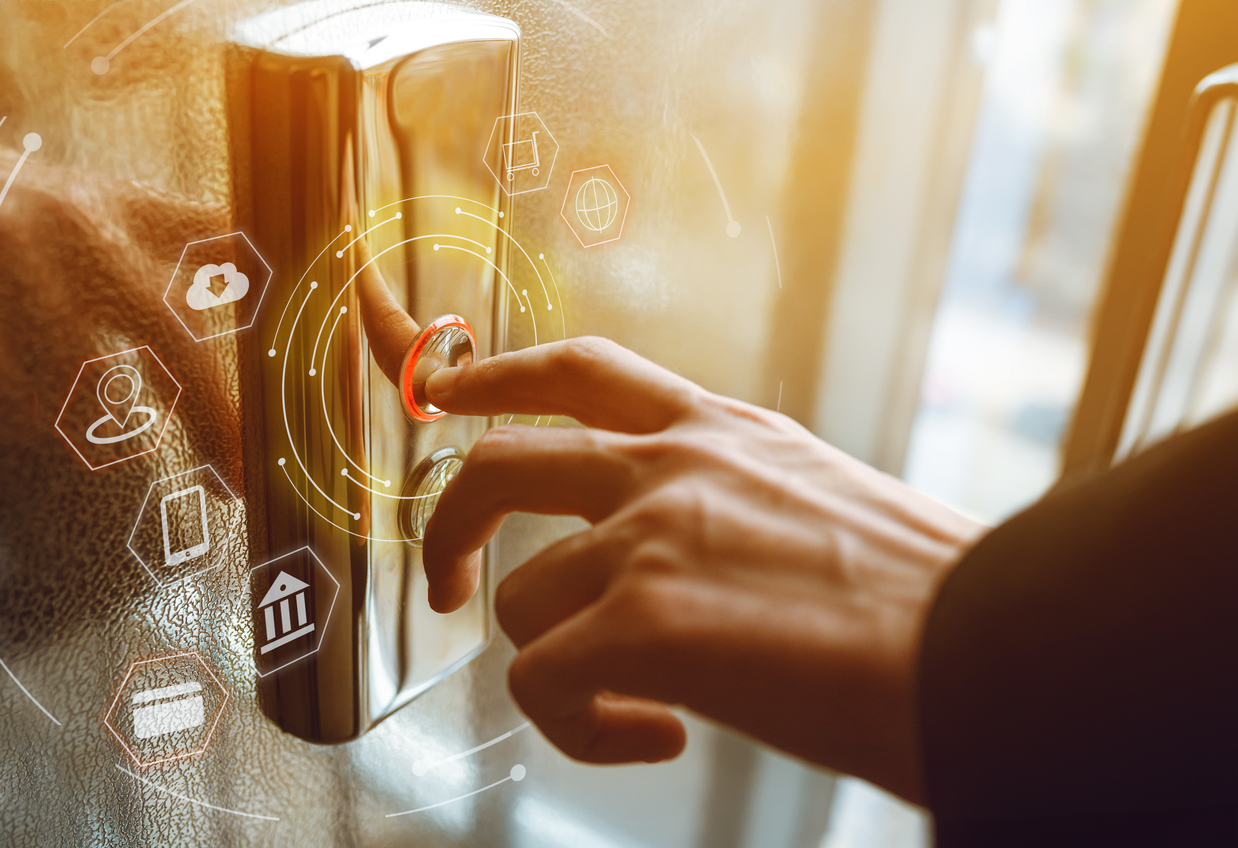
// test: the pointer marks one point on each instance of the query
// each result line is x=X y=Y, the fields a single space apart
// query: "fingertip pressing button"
x=446 y=342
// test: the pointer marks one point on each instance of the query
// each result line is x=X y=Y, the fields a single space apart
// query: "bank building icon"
x=283 y=625
x=293 y=596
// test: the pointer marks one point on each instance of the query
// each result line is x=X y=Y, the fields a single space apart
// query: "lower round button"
x=422 y=489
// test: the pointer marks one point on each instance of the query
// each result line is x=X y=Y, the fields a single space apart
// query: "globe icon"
x=597 y=204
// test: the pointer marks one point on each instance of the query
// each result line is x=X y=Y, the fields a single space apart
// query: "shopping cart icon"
x=521 y=156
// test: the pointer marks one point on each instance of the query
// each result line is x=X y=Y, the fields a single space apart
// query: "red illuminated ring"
x=409 y=365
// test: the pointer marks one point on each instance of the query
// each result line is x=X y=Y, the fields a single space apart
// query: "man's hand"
x=736 y=565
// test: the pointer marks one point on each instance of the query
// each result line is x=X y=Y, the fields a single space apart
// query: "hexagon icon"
x=166 y=708
x=595 y=206
x=218 y=286
x=293 y=597
x=521 y=153
x=136 y=394
x=185 y=524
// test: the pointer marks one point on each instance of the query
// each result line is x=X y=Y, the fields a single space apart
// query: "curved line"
x=322 y=386
x=283 y=404
x=28 y=695
x=305 y=500
x=318 y=338
x=21 y=160
x=314 y=355
x=431 y=197
x=717 y=182
x=583 y=17
x=324 y=400
x=322 y=391
x=774 y=244
x=450 y=800
x=395 y=217
x=141 y=31
x=167 y=791
x=483 y=746
x=308 y=268
x=292 y=330
x=488 y=262
x=509 y=236
x=283 y=388
x=520 y=247
x=562 y=318
x=484 y=247
x=531 y=318
x=93 y=21
x=374 y=259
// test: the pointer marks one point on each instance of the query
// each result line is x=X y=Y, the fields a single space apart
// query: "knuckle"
x=651 y=560
x=683 y=507
x=582 y=356
x=686 y=450
x=494 y=445
x=646 y=607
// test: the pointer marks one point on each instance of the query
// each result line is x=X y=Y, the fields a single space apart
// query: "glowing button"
x=445 y=343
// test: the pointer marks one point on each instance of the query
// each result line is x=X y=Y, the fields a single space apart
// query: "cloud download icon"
x=231 y=284
x=224 y=270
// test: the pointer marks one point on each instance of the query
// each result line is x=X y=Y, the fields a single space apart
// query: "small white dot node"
x=100 y=64
x=313 y=371
x=314 y=284
x=522 y=309
x=541 y=256
x=488 y=250
x=344 y=472
x=420 y=768
x=356 y=516
x=518 y=772
x=732 y=229
x=343 y=309
x=271 y=352
x=282 y=460
x=371 y=213
x=436 y=247
x=339 y=254
x=399 y=214
x=32 y=142
x=348 y=228
x=524 y=292
x=458 y=210
x=550 y=307
x=387 y=483
x=500 y=214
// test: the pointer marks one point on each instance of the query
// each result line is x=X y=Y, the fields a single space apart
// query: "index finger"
x=593 y=380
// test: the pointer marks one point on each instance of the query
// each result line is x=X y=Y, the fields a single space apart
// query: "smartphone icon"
x=185 y=534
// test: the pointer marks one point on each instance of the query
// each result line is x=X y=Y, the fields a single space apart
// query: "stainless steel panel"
x=360 y=150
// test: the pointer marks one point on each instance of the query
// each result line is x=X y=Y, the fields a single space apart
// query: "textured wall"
x=134 y=163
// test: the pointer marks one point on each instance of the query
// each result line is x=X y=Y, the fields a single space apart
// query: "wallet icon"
x=158 y=712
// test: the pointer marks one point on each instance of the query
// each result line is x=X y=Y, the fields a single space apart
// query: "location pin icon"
x=118 y=392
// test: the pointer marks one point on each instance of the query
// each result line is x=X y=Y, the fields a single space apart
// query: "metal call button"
x=422 y=489
x=445 y=343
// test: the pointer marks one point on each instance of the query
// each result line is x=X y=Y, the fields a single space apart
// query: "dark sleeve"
x=1079 y=674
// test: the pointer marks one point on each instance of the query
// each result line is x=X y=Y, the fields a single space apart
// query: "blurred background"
x=905 y=223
